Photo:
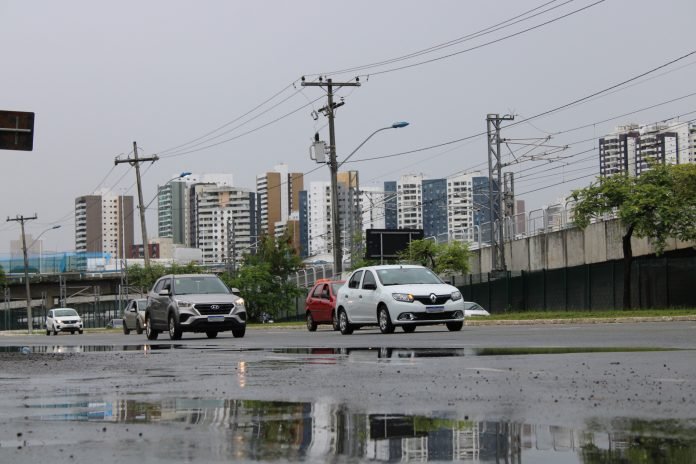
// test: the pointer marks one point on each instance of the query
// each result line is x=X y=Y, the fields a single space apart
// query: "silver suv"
x=193 y=303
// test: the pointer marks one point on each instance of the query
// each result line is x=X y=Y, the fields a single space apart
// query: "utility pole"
x=27 y=289
x=495 y=200
x=136 y=162
x=329 y=111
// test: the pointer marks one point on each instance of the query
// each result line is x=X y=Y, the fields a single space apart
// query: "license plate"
x=216 y=318
x=434 y=309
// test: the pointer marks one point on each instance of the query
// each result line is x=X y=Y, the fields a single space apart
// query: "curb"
x=594 y=320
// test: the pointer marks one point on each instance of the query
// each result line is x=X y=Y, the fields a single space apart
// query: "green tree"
x=443 y=258
x=145 y=277
x=263 y=277
x=2 y=276
x=659 y=204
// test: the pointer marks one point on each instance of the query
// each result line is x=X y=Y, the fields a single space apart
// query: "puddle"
x=272 y=430
x=381 y=352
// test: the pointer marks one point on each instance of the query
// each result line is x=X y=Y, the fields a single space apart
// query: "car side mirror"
x=235 y=290
x=164 y=292
x=369 y=286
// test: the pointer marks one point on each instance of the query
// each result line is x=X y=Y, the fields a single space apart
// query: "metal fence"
x=656 y=282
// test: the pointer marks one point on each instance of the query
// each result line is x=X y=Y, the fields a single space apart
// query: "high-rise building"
x=460 y=207
x=319 y=218
x=221 y=225
x=435 y=208
x=172 y=211
x=104 y=223
x=409 y=202
x=373 y=207
x=631 y=148
x=390 y=216
x=278 y=195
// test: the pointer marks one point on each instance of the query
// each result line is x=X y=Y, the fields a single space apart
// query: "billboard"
x=387 y=243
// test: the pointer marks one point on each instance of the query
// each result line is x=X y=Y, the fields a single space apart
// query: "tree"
x=442 y=258
x=145 y=277
x=2 y=275
x=659 y=204
x=263 y=277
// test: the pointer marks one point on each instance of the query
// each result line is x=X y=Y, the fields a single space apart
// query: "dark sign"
x=387 y=243
x=16 y=130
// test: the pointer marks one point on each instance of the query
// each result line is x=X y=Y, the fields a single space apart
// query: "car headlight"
x=456 y=296
x=239 y=302
x=184 y=303
x=405 y=297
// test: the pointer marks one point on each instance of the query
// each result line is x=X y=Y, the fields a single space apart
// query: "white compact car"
x=63 y=320
x=398 y=295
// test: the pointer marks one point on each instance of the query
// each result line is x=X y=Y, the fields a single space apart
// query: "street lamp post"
x=335 y=214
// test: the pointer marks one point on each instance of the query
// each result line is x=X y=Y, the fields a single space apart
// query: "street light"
x=335 y=216
x=27 y=287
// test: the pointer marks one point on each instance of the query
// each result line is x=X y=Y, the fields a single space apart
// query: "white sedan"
x=63 y=320
x=398 y=295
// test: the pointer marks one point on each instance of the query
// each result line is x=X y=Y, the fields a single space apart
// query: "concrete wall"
x=597 y=243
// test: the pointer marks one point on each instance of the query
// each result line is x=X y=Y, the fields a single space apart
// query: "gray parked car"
x=193 y=303
x=134 y=315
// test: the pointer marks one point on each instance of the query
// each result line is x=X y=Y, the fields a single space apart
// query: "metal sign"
x=16 y=130
x=387 y=243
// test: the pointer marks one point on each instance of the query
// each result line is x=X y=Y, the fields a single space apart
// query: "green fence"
x=94 y=315
x=666 y=281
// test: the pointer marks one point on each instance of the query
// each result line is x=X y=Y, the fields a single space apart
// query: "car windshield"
x=407 y=275
x=470 y=305
x=198 y=285
x=142 y=305
x=65 y=312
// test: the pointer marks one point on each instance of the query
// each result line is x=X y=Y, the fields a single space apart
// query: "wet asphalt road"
x=485 y=394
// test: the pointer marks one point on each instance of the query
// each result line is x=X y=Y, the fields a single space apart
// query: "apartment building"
x=409 y=202
x=104 y=223
x=278 y=195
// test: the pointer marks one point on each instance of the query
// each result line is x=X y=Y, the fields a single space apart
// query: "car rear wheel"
x=55 y=332
x=385 y=323
x=48 y=332
x=174 y=329
x=80 y=332
x=126 y=330
x=408 y=328
x=344 y=326
x=211 y=333
x=138 y=327
x=455 y=326
x=150 y=333
x=311 y=325
x=239 y=333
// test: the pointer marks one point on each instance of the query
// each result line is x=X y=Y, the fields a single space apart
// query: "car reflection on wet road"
x=440 y=397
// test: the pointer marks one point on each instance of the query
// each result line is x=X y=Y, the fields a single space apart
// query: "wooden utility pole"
x=135 y=161
x=22 y=220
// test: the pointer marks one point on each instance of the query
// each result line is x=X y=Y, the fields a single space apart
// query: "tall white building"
x=409 y=202
x=319 y=218
x=460 y=207
x=104 y=223
x=221 y=222
x=632 y=147
x=373 y=208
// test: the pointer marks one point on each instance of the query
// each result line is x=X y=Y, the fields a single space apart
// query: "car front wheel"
x=150 y=333
x=385 y=323
x=174 y=329
x=138 y=327
x=211 y=334
x=126 y=330
x=239 y=332
x=455 y=326
x=311 y=325
x=334 y=321
x=408 y=328
x=345 y=327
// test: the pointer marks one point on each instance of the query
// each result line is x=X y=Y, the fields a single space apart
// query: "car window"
x=407 y=275
x=325 y=295
x=354 y=281
x=50 y=313
x=368 y=279
x=198 y=285
x=65 y=312
x=336 y=286
x=158 y=286
x=142 y=305
x=317 y=291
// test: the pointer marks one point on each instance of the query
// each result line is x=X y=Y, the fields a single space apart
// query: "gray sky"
x=100 y=75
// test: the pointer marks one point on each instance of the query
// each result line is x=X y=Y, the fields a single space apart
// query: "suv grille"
x=425 y=299
x=212 y=308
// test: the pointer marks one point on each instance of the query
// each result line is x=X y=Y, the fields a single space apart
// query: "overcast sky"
x=100 y=75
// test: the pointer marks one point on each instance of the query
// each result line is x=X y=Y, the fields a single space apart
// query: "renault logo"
x=214 y=306
x=433 y=297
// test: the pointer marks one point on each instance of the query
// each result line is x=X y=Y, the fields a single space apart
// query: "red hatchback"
x=321 y=304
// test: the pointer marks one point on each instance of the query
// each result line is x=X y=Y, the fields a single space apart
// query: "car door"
x=348 y=296
x=368 y=297
x=49 y=320
x=160 y=303
x=129 y=315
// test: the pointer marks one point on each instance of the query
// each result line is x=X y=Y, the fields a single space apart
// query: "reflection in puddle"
x=271 y=430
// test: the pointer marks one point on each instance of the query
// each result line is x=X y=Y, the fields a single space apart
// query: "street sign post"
x=16 y=130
